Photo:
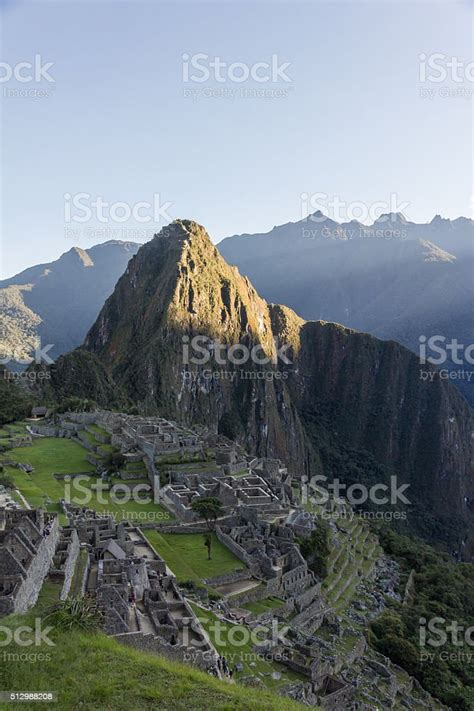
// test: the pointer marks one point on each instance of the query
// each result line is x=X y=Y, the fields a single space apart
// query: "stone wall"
x=308 y=596
x=234 y=547
x=264 y=590
x=233 y=577
x=30 y=587
x=51 y=431
x=175 y=528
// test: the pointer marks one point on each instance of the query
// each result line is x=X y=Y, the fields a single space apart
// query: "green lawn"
x=84 y=434
x=81 y=563
x=186 y=555
x=47 y=455
x=91 y=671
x=98 y=430
x=49 y=594
x=51 y=455
x=259 y=606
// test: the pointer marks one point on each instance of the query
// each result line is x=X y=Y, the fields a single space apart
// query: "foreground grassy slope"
x=92 y=671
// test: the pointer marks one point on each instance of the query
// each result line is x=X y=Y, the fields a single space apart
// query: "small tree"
x=315 y=549
x=208 y=544
x=209 y=508
x=114 y=461
x=6 y=480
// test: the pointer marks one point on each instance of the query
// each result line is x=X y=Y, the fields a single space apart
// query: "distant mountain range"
x=56 y=303
x=343 y=404
x=395 y=279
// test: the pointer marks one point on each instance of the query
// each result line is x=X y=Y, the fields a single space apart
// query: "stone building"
x=270 y=551
x=28 y=541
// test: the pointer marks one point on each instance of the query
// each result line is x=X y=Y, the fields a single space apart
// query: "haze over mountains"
x=56 y=303
x=396 y=279
x=345 y=404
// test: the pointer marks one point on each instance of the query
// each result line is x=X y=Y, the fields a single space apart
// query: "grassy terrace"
x=259 y=606
x=81 y=564
x=233 y=641
x=91 y=671
x=49 y=594
x=186 y=555
x=350 y=562
x=50 y=455
x=98 y=430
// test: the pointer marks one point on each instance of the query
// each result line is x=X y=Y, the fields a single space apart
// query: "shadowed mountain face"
x=396 y=280
x=56 y=303
x=332 y=402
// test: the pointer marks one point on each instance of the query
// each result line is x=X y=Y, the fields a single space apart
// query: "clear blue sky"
x=117 y=123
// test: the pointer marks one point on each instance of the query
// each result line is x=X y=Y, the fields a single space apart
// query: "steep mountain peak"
x=76 y=255
x=318 y=215
x=182 y=230
x=391 y=218
x=179 y=281
x=441 y=221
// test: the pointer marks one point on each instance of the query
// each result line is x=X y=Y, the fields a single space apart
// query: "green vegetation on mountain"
x=15 y=400
x=438 y=589
x=74 y=380
x=315 y=549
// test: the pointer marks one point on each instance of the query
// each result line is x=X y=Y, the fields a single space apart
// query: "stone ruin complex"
x=136 y=593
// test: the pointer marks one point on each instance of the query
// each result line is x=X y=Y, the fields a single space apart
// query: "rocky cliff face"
x=179 y=287
x=335 y=401
x=366 y=394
